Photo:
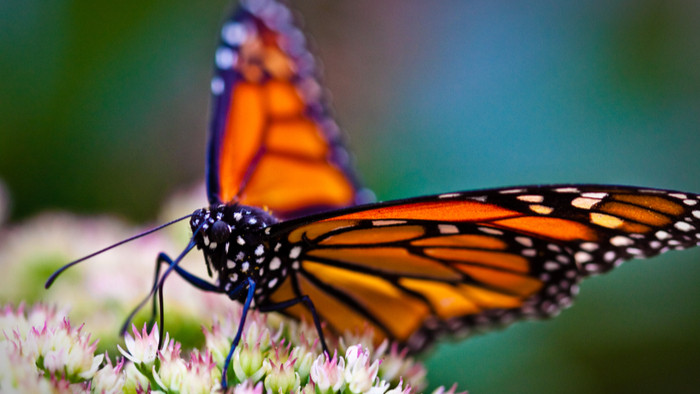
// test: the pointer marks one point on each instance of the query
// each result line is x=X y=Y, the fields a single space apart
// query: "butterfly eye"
x=219 y=231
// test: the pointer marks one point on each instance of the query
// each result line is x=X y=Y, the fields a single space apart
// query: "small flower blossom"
x=397 y=365
x=359 y=373
x=380 y=387
x=248 y=388
x=328 y=375
x=281 y=378
x=198 y=375
x=399 y=390
x=109 y=379
x=142 y=348
x=18 y=374
x=281 y=375
x=248 y=363
x=305 y=358
x=172 y=368
x=64 y=351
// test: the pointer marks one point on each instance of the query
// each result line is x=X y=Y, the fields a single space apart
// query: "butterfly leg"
x=306 y=300
x=246 y=306
x=184 y=274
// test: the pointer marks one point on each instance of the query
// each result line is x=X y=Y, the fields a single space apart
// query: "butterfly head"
x=233 y=240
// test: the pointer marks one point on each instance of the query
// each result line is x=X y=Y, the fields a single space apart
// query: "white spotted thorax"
x=233 y=240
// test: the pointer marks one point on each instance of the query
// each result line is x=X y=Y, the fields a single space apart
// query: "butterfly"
x=289 y=228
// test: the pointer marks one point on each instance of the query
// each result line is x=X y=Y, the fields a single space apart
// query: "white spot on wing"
x=525 y=241
x=661 y=234
x=234 y=33
x=272 y=283
x=448 y=229
x=589 y=246
x=448 y=195
x=595 y=195
x=511 y=191
x=584 y=202
x=683 y=226
x=478 y=198
x=259 y=250
x=489 y=230
x=582 y=257
x=528 y=252
x=295 y=252
x=566 y=190
x=217 y=86
x=531 y=198
x=387 y=222
x=678 y=195
x=634 y=251
x=224 y=58
x=620 y=240
x=275 y=263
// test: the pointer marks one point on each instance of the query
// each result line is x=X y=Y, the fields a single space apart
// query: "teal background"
x=103 y=108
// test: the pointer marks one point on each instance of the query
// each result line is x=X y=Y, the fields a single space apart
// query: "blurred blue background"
x=104 y=108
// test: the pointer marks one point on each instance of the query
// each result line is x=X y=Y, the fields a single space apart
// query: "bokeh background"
x=104 y=105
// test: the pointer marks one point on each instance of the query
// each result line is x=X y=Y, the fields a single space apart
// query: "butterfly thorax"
x=233 y=240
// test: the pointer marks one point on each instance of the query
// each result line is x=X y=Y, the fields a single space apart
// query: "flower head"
x=359 y=373
x=109 y=379
x=63 y=350
x=281 y=375
x=142 y=348
x=328 y=374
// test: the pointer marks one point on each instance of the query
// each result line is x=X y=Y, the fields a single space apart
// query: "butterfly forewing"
x=458 y=262
x=272 y=143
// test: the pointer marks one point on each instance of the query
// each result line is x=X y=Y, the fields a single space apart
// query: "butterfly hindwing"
x=272 y=142
x=464 y=261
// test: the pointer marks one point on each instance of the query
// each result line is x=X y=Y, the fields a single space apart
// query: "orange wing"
x=459 y=262
x=272 y=143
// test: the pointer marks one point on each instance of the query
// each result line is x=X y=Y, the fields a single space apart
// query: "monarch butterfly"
x=289 y=228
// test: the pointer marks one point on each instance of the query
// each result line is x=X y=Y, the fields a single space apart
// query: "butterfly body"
x=233 y=240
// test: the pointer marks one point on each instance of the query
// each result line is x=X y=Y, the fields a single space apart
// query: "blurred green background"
x=104 y=105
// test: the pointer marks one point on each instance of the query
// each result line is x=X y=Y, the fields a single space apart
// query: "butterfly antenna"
x=159 y=284
x=59 y=271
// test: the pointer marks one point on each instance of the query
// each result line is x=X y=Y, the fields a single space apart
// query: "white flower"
x=359 y=374
x=109 y=379
x=142 y=348
x=327 y=374
x=396 y=364
x=63 y=350
x=248 y=388
x=399 y=390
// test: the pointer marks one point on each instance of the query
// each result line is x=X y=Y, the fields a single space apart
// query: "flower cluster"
x=41 y=352
x=41 y=349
